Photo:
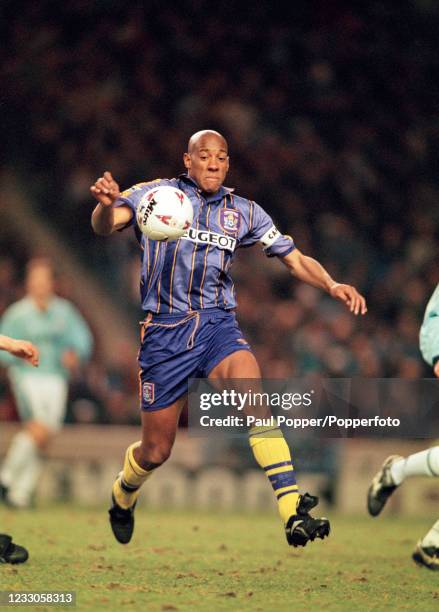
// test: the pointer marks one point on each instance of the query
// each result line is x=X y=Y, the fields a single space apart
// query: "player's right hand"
x=105 y=189
x=24 y=350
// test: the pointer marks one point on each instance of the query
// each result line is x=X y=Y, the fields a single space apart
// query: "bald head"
x=207 y=160
x=196 y=139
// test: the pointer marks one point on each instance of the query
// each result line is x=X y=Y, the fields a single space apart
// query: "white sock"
x=432 y=537
x=20 y=494
x=20 y=452
x=425 y=463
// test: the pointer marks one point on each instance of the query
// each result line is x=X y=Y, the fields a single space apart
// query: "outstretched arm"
x=312 y=272
x=20 y=348
x=106 y=218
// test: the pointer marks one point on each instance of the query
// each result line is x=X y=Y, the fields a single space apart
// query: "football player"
x=64 y=341
x=9 y=551
x=395 y=468
x=190 y=328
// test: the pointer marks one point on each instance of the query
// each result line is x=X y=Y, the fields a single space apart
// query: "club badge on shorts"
x=148 y=392
x=230 y=220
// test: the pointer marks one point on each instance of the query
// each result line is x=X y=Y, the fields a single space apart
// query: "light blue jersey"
x=58 y=328
x=429 y=334
x=192 y=273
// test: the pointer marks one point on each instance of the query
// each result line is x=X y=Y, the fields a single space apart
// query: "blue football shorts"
x=175 y=348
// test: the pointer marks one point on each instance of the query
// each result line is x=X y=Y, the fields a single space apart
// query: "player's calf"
x=127 y=485
x=124 y=496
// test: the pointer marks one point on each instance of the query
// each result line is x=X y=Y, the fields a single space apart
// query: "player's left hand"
x=349 y=296
x=24 y=350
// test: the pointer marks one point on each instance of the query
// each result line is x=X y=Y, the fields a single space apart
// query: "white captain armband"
x=269 y=237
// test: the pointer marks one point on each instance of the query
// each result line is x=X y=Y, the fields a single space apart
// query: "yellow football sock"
x=273 y=455
x=127 y=485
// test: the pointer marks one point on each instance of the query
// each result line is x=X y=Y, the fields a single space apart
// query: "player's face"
x=40 y=282
x=208 y=162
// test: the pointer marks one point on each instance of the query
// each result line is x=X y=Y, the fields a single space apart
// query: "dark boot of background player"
x=10 y=552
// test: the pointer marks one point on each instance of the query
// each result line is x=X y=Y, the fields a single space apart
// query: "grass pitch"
x=217 y=561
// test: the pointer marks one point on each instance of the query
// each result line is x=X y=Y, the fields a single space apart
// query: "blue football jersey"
x=192 y=273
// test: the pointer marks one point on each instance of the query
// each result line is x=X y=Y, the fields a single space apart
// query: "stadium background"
x=329 y=110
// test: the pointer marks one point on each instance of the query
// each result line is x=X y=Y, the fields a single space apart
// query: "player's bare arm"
x=20 y=348
x=436 y=369
x=312 y=272
x=106 y=218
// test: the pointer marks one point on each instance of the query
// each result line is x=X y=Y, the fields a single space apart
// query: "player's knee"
x=153 y=454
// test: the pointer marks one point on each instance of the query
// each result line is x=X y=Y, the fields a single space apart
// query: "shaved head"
x=196 y=139
x=207 y=159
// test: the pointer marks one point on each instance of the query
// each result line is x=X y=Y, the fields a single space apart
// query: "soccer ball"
x=164 y=213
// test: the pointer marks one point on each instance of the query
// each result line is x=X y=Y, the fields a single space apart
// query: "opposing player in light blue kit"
x=9 y=551
x=190 y=329
x=64 y=341
x=396 y=469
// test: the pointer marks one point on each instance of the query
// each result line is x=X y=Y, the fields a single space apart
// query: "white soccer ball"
x=164 y=213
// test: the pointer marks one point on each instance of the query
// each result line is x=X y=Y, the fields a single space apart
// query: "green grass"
x=211 y=561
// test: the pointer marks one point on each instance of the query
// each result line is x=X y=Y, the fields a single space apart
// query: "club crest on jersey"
x=230 y=220
x=148 y=392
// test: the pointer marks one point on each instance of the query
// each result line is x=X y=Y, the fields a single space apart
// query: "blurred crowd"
x=329 y=113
